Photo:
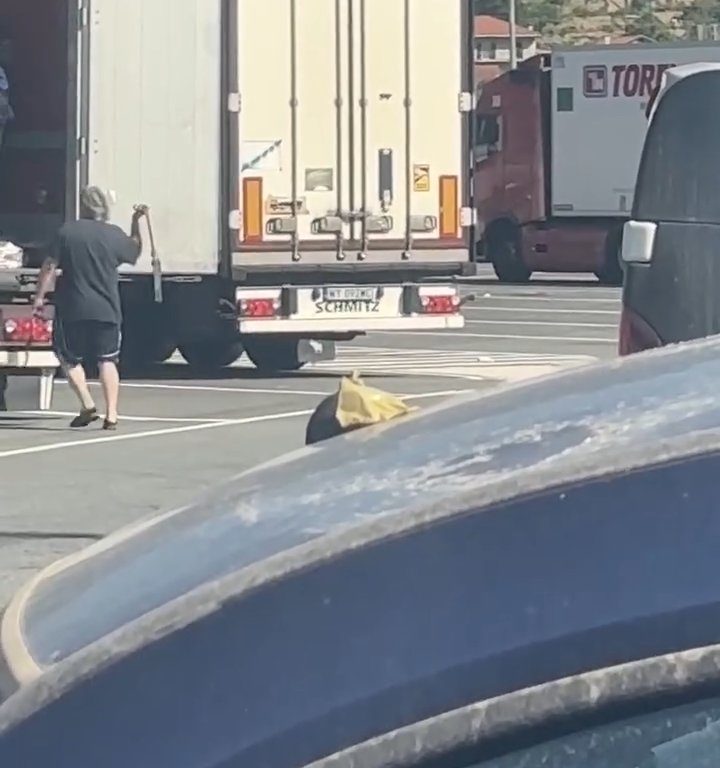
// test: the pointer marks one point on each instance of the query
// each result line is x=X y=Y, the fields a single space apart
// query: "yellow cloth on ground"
x=361 y=406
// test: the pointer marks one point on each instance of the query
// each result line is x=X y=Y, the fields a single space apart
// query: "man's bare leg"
x=110 y=380
x=78 y=384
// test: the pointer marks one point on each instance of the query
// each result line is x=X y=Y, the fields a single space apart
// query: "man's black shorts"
x=86 y=341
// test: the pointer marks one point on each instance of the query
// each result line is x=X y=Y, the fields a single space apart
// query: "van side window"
x=679 y=176
x=488 y=135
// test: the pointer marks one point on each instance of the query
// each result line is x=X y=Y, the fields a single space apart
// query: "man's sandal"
x=85 y=419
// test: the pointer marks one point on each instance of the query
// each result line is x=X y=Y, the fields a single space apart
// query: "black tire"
x=141 y=348
x=273 y=354
x=505 y=253
x=211 y=354
x=612 y=272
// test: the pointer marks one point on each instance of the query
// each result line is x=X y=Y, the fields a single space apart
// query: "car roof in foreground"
x=587 y=417
x=533 y=534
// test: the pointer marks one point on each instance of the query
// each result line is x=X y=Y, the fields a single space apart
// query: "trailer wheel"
x=272 y=354
x=612 y=271
x=141 y=348
x=211 y=354
x=505 y=253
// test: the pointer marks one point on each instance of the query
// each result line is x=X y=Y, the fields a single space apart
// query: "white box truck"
x=305 y=162
x=557 y=152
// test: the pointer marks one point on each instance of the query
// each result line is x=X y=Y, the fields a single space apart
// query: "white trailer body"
x=600 y=96
x=306 y=162
x=355 y=109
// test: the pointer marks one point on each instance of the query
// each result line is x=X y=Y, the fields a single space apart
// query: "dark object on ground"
x=324 y=424
x=353 y=406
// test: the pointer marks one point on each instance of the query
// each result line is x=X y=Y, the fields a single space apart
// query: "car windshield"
x=685 y=737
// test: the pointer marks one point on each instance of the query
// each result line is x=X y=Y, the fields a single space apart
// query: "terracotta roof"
x=491 y=26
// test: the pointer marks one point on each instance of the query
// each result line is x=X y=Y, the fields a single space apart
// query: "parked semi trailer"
x=557 y=149
x=306 y=164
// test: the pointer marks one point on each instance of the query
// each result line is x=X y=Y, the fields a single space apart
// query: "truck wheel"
x=505 y=253
x=141 y=349
x=210 y=354
x=272 y=354
x=612 y=271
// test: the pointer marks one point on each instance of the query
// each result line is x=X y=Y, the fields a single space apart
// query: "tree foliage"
x=642 y=20
x=639 y=17
x=701 y=12
x=538 y=14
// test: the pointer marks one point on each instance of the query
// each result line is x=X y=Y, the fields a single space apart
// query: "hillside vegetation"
x=578 y=21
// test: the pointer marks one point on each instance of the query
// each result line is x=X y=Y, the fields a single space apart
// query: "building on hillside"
x=627 y=40
x=492 y=46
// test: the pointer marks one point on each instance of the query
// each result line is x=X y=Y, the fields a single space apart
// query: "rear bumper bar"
x=318 y=310
x=309 y=327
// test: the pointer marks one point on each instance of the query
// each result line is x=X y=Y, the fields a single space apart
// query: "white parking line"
x=527 y=298
x=193 y=425
x=142 y=419
x=211 y=420
x=429 y=395
x=541 y=322
x=208 y=388
x=564 y=339
x=46 y=448
x=538 y=310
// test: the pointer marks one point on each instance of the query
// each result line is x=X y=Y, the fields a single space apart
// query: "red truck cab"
x=513 y=155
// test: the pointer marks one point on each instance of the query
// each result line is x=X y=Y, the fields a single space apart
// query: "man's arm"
x=46 y=282
x=135 y=244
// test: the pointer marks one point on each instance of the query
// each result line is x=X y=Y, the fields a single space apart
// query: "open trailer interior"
x=37 y=178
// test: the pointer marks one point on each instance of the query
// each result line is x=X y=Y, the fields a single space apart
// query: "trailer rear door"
x=153 y=121
x=353 y=143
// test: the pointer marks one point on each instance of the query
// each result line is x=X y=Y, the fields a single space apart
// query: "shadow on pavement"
x=36 y=423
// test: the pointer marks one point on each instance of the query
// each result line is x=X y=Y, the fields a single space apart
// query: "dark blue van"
x=671 y=245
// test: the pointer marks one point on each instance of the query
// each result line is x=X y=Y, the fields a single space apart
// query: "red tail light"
x=259 y=308
x=636 y=335
x=440 y=305
x=26 y=330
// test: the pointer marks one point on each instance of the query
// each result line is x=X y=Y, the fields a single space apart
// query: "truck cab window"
x=488 y=135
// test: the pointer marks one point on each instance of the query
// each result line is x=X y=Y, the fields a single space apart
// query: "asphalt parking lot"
x=179 y=436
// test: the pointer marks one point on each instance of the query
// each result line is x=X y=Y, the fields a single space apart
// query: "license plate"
x=353 y=293
x=354 y=300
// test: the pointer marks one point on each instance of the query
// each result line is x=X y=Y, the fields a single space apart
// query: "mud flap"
x=314 y=351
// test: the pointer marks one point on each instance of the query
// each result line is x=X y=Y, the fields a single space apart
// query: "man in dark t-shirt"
x=88 y=315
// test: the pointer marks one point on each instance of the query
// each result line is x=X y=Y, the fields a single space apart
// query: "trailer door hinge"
x=468 y=217
x=234 y=102
x=82 y=15
x=81 y=146
x=466 y=101
x=234 y=221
